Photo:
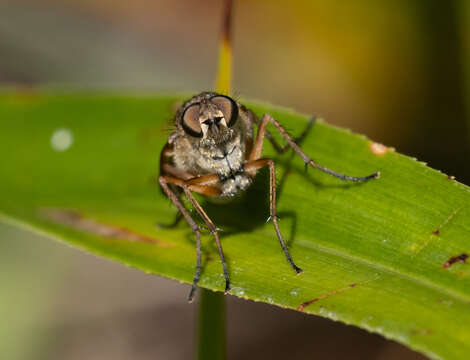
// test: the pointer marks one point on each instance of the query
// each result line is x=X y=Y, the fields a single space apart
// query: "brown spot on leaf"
x=462 y=258
x=307 y=303
x=417 y=248
x=378 y=149
x=450 y=177
x=77 y=221
x=302 y=306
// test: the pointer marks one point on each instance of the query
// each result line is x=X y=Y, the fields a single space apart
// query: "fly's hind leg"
x=282 y=149
x=298 y=140
x=258 y=146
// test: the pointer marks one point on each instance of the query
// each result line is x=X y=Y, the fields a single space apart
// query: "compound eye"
x=190 y=121
x=228 y=107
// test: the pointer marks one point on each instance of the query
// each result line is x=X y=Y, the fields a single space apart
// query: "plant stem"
x=224 y=71
x=212 y=306
x=211 y=325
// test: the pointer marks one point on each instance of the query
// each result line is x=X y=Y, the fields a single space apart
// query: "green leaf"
x=375 y=255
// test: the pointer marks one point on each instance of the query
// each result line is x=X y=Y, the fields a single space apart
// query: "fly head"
x=209 y=119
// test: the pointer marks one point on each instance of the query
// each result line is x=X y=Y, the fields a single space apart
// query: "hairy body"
x=224 y=153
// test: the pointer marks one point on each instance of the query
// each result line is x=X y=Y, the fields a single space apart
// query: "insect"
x=213 y=152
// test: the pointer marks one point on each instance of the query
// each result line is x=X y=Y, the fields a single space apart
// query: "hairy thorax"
x=224 y=159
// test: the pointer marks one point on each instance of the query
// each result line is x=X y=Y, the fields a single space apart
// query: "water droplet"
x=238 y=291
x=332 y=316
x=294 y=292
x=61 y=139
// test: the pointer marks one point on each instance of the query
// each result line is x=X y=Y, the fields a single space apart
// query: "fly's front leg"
x=214 y=231
x=164 y=181
x=251 y=167
x=206 y=185
x=257 y=147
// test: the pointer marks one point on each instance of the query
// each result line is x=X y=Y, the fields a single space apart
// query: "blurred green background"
x=395 y=70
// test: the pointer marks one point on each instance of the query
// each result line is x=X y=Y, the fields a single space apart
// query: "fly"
x=206 y=126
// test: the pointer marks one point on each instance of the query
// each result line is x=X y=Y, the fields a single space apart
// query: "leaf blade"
x=370 y=253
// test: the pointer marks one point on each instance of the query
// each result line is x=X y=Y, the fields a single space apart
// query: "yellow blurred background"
x=395 y=70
